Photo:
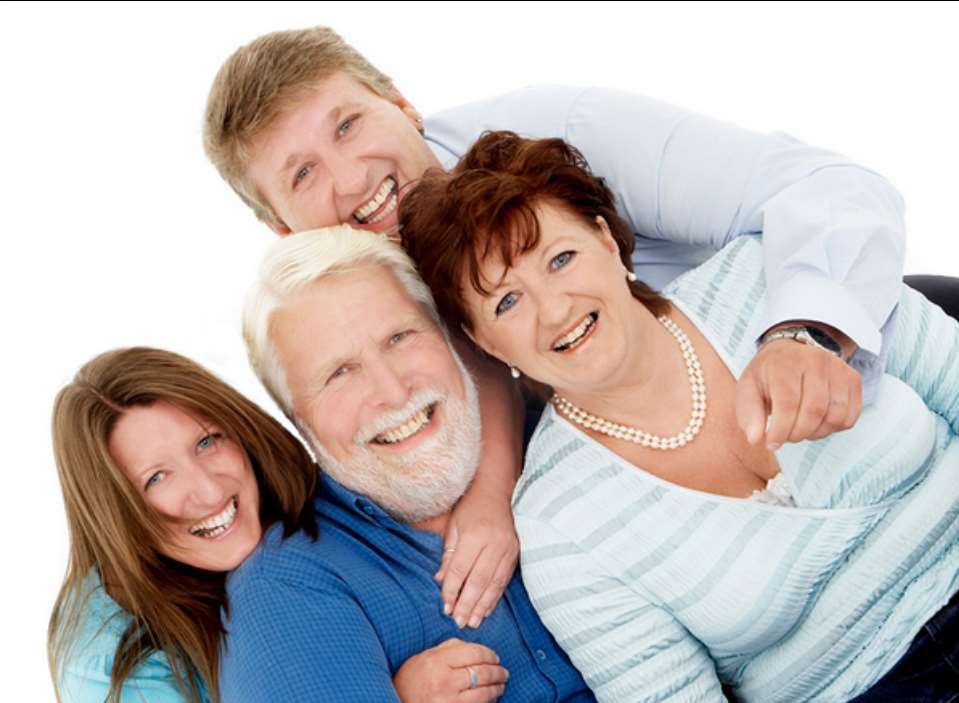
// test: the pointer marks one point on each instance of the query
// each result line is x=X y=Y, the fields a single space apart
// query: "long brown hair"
x=174 y=608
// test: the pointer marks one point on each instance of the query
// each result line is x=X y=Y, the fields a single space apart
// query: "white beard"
x=426 y=481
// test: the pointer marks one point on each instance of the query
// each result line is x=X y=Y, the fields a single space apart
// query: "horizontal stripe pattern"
x=658 y=593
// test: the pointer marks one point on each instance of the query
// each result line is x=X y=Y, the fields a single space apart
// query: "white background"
x=116 y=231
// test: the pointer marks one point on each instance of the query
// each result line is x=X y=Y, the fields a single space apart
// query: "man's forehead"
x=363 y=300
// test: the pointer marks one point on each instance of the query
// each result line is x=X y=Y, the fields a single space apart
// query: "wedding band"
x=473 y=678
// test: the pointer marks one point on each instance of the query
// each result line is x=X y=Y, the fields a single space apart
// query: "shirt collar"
x=355 y=503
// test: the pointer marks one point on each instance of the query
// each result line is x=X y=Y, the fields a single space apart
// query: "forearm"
x=501 y=409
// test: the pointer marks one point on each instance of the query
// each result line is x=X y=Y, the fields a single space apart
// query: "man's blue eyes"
x=301 y=174
x=341 y=130
x=394 y=339
x=345 y=125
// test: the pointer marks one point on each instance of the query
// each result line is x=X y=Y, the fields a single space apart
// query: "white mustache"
x=391 y=419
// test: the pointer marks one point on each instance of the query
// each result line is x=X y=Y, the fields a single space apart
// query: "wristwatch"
x=813 y=336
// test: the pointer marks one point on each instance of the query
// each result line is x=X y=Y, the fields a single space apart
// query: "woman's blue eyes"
x=209 y=440
x=507 y=301
x=205 y=443
x=557 y=262
x=561 y=259
x=154 y=479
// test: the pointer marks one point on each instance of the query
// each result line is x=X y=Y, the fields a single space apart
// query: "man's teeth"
x=386 y=191
x=216 y=525
x=407 y=429
x=581 y=329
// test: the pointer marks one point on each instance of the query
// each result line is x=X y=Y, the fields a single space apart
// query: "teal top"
x=86 y=674
x=659 y=592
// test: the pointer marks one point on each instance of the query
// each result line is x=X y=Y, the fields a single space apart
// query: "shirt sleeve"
x=833 y=232
x=626 y=648
x=925 y=353
x=299 y=644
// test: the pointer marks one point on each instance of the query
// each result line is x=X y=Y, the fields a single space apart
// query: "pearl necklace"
x=634 y=434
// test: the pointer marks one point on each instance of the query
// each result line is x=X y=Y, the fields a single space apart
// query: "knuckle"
x=457 y=569
x=479 y=578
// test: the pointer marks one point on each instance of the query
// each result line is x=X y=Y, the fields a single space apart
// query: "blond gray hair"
x=299 y=260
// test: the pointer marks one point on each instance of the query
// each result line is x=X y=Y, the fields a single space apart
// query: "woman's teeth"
x=216 y=525
x=363 y=214
x=571 y=339
x=407 y=429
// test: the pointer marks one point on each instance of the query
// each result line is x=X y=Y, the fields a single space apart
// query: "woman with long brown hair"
x=169 y=477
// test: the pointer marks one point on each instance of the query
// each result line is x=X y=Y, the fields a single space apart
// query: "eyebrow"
x=293 y=159
x=141 y=475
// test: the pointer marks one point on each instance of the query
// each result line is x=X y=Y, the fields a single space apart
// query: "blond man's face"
x=344 y=155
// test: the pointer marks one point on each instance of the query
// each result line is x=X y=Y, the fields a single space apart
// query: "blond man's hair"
x=263 y=79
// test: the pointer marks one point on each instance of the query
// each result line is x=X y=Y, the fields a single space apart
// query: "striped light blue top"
x=659 y=592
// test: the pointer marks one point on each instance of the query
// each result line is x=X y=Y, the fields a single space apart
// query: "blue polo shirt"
x=334 y=619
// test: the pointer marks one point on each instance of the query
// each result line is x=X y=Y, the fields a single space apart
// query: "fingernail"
x=460 y=621
x=772 y=446
x=475 y=621
x=447 y=609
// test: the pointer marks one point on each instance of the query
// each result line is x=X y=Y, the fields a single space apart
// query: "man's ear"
x=412 y=114
x=279 y=228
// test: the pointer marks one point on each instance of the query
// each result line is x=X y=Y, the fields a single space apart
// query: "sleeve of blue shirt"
x=298 y=644
x=833 y=232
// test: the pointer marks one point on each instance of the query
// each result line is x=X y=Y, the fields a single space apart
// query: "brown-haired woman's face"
x=562 y=313
x=199 y=481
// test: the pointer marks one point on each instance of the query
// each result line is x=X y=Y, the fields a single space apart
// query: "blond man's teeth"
x=390 y=207
x=385 y=191
x=406 y=430
x=574 y=336
x=216 y=525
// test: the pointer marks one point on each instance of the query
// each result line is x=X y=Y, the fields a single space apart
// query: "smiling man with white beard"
x=346 y=338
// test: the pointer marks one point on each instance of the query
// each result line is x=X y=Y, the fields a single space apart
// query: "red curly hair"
x=452 y=222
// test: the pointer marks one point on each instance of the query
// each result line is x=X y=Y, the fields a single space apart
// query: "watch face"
x=824 y=340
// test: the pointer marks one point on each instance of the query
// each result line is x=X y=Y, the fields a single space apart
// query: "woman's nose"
x=205 y=487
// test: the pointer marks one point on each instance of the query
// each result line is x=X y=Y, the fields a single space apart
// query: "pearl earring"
x=631 y=277
x=514 y=372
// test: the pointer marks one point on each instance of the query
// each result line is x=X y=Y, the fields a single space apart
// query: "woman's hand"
x=453 y=671
x=481 y=551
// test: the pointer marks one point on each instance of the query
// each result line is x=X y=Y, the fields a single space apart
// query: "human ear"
x=279 y=228
x=412 y=114
x=606 y=236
